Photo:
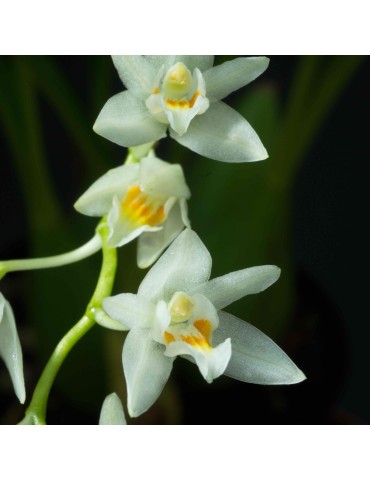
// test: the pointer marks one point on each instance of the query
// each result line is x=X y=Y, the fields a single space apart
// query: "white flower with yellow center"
x=146 y=199
x=177 y=311
x=10 y=348
x=183 y=93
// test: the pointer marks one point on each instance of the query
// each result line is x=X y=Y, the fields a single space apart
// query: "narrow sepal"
x=230 y=76
x=255 y=357
x=222 y=291
x=146 y=370
x=222 y=134
x=186 y=264
x=125 y=120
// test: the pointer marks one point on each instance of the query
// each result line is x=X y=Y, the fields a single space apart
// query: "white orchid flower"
x=177 y=311
x=112 y=411
x=146 y=199
x=10 y=348
x=182 y=94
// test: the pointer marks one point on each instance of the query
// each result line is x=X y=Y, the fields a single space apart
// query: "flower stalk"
x=86 y=250
x=36 y=412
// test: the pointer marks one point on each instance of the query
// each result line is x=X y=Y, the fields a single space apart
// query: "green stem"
x=36 y=412
x=86 y=250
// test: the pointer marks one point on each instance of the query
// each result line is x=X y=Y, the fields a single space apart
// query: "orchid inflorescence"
x=178 y=310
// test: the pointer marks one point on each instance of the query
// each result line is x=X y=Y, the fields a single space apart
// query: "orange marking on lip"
x=168 y=337
x=183 y=103
x=196 y=341
x=204 y=327
x=139 y=210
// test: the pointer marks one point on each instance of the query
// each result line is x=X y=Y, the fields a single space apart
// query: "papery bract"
x=176 y=312
x=112 y=411
x=182 y=94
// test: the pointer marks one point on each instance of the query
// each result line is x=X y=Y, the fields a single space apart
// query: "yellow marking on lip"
x=138 y=208
x=183 y=103
x=204 y=327
x=156 y=90
x=168 y=337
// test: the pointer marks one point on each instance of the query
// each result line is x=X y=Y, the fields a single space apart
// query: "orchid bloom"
x=182 y=94
x=177 y=311
x=10 y=348
x=146 y=199
x=112 y=411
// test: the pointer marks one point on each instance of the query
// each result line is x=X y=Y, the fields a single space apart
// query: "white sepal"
x=112 y=411
x=255 y=357
x=130 y=310
x=230 y=76
x=222 y=291
x=222 y=134
x=10 y=348
x=146 y=370
x=151 y=244
x=159 y=177
x=203 y=62
x=97 y=200
x=125 y=120
x=135 y=72
x=186 y=264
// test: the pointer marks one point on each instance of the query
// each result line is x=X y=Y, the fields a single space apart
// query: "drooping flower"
x=146 y=199
x=10 y=348
x=182 y=94
x=112 y=411
x=177 y=311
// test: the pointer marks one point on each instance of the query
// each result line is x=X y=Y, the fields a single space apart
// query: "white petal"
x=255 y=357
x=97 y=200
x=230 y=76
x=10 y=348
x=157 y=176
x=222 y=291
x=203 y=62
x=125 y=120
x=186 y=264
x=112 y=411
x=161 y=322
x=152 y=244
x=204 y=310
x=130 y=310
x=222 y=134
x=136 y=72
x=146 y=370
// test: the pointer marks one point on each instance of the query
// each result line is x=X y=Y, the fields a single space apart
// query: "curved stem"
x=91 y=247
x=36 y=412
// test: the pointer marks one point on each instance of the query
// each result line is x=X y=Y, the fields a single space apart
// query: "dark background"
x=304 y=209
